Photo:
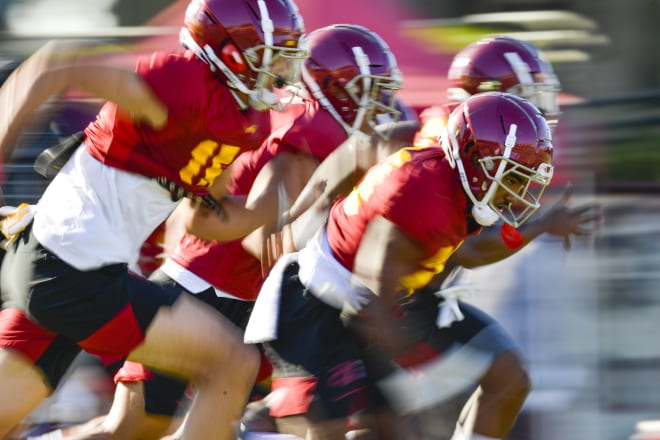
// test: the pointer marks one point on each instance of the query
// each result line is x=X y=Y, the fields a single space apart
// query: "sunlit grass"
x=451 y=39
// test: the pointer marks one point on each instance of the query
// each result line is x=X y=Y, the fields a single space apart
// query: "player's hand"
x=13 y=220
x=565 y=221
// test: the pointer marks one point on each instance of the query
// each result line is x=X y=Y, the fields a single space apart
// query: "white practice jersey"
x=92 y=215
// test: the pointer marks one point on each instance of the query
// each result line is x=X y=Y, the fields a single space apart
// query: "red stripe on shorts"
x=118 y=337
x=295 y=394
x=419 y=354
x=20 y=333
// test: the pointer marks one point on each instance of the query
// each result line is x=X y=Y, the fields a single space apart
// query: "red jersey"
x=304 y=128
x=415 y=189
x=205 y=129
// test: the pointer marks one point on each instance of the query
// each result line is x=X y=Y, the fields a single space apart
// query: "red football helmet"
x=505 y=64
x=353 y=74
x=241 y=39
x=499 y=140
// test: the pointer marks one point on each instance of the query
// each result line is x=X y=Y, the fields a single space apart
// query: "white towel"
x=262 y=326
x=327 y=279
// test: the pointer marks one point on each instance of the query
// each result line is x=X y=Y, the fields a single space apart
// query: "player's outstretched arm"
x=335 y=176
x=560 y=220
x=346 y=165
x=57 y=67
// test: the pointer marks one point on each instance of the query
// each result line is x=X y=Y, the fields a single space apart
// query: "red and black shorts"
x=416 y=321
x=51 y=310
x=314 y=343
x=162 y=393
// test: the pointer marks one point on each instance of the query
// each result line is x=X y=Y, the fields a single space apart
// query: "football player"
x=458 y=330
x=390 y=235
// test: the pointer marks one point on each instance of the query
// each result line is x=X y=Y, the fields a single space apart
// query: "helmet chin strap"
x=482 y=210
x=484 y=215
x=263 y=99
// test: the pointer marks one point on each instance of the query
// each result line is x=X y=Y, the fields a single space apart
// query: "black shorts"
x=163 y=394
x=51 y=310
x=314 y=342
x=416 y=324
x=477 y=328
x=237 y=311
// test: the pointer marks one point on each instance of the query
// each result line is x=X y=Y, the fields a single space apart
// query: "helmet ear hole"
x=474 y=161
x=231 y=56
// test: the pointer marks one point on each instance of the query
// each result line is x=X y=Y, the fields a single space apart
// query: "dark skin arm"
x=559 y=220
x=335 y=175
x=342 y=169
x=290 y=173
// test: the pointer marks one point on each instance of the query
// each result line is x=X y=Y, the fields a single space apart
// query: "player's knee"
x=523 y=382
x=246 y=358
x=508 y=375
x=215 y=344
x=519 y=384
x=231 y=355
